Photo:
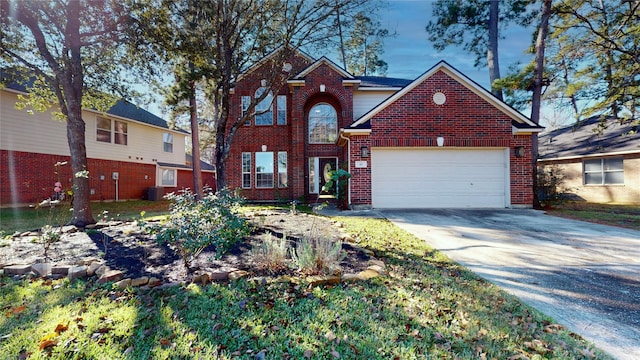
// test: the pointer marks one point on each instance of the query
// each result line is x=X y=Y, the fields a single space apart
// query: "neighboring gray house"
x=597 y=162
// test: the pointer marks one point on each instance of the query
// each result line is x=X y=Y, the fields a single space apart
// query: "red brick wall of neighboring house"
x=28 y=178
x=185 y=181
x=464 y=120
x=291 y=137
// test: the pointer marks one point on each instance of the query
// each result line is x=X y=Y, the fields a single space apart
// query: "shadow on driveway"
x=586 y=276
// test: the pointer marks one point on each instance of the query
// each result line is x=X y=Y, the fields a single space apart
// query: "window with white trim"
x=605 y=171
x=168 y=177
x=281 y=106
x=323 y=124
x=108 y=131
x=246 y=101
x=264 y=109
x=246 y=170
x=264 y=169
x=282 y=169
x=167 y=140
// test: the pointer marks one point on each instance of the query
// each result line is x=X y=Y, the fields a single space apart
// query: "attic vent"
x=439 y=98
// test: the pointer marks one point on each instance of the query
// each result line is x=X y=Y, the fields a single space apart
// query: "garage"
x=439 y=178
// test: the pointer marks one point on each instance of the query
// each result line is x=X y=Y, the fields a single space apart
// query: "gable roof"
x=519 y=121
x=587 y=139
x=331 y=64
x=269 y=56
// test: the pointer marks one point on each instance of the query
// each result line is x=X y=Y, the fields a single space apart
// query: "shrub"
x=193 y=225
x=48 y=236
x=271 y=254
x=318 y=255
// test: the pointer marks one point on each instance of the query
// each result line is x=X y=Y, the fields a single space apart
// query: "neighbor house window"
x=246 y=101
x=264 y=109
x=264 y=169
x=323 y=124
x=609 y=171
x=168 y=177
x=281 y=105
x=106 y=127
x=246 y=170
x=282 y=169
x=167 y=139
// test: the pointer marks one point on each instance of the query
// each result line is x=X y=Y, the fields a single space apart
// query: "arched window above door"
x=323 y=124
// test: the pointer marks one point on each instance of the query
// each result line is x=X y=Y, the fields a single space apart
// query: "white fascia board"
x=599 y=155
x=324 y=60
x=355 y=131
x=253 y=67
x=517 y=131
x=379 y=88
x=351 y=82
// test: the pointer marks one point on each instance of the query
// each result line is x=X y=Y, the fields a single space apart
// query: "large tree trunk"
x=492 y=49
x=72 y=79
x=195 y=141
x=538 y=83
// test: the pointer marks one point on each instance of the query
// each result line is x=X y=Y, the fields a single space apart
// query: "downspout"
x=348 y=165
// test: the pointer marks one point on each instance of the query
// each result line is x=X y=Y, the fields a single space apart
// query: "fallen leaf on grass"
x=61 y=327
x=16 y=310
x=335 y=354
x=553 y=328
x=308 y=354
x=46 y=344
x=330 y=336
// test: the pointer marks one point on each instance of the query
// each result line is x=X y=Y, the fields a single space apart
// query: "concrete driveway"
x=585 y=276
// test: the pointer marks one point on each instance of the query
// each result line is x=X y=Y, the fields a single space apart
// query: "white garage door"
x=439 y=178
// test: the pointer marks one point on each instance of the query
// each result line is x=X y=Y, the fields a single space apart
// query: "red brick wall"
x=29 y=178
x=464 y=120
x=292 y=137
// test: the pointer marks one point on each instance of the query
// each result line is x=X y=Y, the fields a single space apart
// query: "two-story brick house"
x=440 y=140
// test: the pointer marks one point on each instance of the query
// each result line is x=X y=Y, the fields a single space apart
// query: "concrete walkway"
x=585 y=276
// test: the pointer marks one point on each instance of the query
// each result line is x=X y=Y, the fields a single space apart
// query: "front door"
x=326 y=166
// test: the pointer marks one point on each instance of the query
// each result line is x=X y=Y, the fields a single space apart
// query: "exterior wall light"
x=519 y=151
x=264 y=148
x=364 y=152
x=440 y=141
x=322 y=87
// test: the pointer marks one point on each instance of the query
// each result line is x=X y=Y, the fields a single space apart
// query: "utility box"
x=154 y=193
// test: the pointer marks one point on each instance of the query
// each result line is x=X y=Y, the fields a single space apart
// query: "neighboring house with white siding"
x=131 y=153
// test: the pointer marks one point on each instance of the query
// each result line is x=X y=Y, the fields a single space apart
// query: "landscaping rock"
x=201 y=279
x=88 y=261
x=153 y=282
x=42 y=269
x=123 y=284
x=377 y=268
x=61 y=269
x=140 y=281
x=111 y=275
x=368 y=274
x=77 y=272
x=350 y=277
x=323 y=280
x=101 y=270
x=377 y=262
x=69 y=229
x=17 y=269
x=221 y=274
x=93 y=267
x=235 y=275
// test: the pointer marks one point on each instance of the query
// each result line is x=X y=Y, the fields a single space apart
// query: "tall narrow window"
x=264 y=109
x=167 y=139
x=313 y=189
x=282 y=109
x=120 y=133
x=103 y=130
x=323 y=124
x=282 y=169
x=246 y=101
x=246 y=170
x=264 y=169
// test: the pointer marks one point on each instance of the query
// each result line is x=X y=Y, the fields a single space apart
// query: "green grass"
x=616 y=215
x=426 y=307
x=24 y=219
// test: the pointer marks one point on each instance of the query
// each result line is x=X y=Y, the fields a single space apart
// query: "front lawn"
x=425 y=307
